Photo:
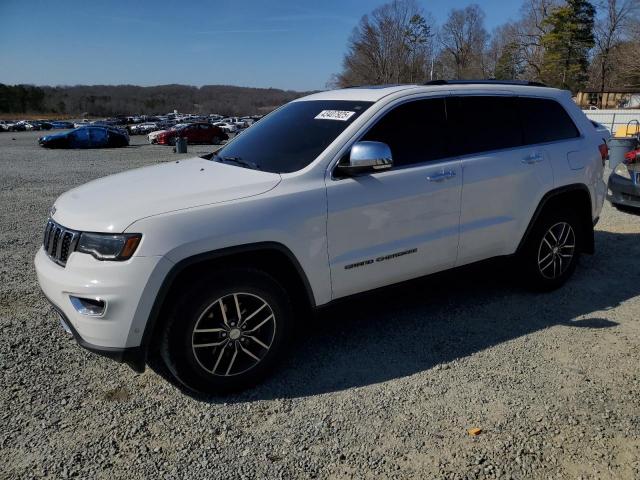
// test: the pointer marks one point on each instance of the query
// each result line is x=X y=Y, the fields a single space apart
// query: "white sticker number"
x=341 y=115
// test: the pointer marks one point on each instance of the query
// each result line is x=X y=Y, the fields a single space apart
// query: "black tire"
x=172 y=142
x=215 y=140
x=205 y=369
x=541 y=275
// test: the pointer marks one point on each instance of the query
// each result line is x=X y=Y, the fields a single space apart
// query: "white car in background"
x=227 y=127
x=143 y=128
x=209 y=262
x=82 y=123
x=239 y=123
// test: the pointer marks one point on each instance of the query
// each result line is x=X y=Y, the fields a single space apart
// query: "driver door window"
x=415 y=131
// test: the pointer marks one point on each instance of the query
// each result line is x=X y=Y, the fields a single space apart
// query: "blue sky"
x=283 y=44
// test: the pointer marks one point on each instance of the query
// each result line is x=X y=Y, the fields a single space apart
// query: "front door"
x=393 y=225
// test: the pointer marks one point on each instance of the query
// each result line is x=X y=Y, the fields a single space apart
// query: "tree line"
x=570 y=44
x=111 y=100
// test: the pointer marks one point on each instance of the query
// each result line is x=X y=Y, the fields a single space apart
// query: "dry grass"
x=34 y=116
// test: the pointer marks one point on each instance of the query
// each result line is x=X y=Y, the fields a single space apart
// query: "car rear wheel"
x=551 y=253
x=215 y=140
x=229 y=333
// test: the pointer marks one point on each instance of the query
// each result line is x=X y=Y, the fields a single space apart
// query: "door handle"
x=441 y=176
x=533 y=158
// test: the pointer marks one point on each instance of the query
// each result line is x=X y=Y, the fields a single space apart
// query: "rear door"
x=99 y=137
x=503 y=178
x=190 y=132
x=204 y=133
x=392 y=225
x=79 y=138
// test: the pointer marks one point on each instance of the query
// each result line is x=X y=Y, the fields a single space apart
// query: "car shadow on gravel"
x=413 y=327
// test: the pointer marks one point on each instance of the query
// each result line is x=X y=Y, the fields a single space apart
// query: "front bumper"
x=128 y=288
x=623 y=192
x=135 y=357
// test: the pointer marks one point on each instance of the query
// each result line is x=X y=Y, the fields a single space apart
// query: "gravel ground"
x=384 y=386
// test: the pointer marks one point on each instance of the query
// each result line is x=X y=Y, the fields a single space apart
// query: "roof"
x=364 y=94
x=375 y=93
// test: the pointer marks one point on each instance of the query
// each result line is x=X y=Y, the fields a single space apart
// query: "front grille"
x=59 y=242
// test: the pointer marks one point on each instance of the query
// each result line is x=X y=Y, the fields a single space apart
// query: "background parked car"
x=153 y=136
x=62 y=124
x=624 y=183
x=226 y=127
x=81 y=123
x=87 y=137
x=194 y=133
x=142 y=128
x=20 y=126
x=37 y=125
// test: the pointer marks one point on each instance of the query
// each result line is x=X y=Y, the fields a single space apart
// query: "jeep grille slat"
x=59 y=242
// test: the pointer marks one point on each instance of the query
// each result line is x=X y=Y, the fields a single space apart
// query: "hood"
x=53 y=136
x=112 y=203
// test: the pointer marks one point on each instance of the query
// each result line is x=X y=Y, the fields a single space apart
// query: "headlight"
x=622 y=170
x=104 y=246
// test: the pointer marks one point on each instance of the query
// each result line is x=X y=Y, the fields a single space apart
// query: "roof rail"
x=486 y=82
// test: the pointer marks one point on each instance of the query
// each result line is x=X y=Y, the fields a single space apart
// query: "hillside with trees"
x=109 y=100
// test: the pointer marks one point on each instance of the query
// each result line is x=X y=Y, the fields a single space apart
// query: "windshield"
x=292 y=137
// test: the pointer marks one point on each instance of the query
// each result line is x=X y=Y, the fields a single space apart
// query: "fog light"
x=92 y=307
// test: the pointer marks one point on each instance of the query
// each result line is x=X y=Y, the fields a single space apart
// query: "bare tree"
x=391 y=45
x=610 y=31
x=627 y=56
x=503 y=57
x=464 y=39
x=529 y=31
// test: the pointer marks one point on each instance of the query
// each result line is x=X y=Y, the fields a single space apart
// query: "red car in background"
x=194 y=133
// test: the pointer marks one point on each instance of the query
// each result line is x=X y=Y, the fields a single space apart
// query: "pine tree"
x=508 y=65
x=567 y=45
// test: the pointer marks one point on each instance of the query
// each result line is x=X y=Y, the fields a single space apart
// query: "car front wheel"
x=227 y=334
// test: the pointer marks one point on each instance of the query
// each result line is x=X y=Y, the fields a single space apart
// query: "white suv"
x=210 y=261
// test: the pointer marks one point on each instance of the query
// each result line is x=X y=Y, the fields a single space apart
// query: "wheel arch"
x=576 y=195
x=272 y=257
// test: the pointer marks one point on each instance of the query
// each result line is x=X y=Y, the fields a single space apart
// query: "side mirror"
x=366 y=157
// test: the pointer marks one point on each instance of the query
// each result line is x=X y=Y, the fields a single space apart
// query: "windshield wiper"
x=238 y=161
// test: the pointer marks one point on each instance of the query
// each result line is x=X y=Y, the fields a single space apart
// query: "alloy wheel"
x=233 y=334
x=556 y=250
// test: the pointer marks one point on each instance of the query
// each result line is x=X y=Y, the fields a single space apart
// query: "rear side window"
x=545 y=120
x=483 y=123
x=415 y=131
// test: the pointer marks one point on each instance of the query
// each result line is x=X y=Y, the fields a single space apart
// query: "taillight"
x=632 y=157
x=604 y=152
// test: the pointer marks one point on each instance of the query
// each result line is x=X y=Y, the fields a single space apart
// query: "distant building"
x=622 y=97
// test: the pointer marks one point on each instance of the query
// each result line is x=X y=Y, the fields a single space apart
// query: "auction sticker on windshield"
x=342 y=115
